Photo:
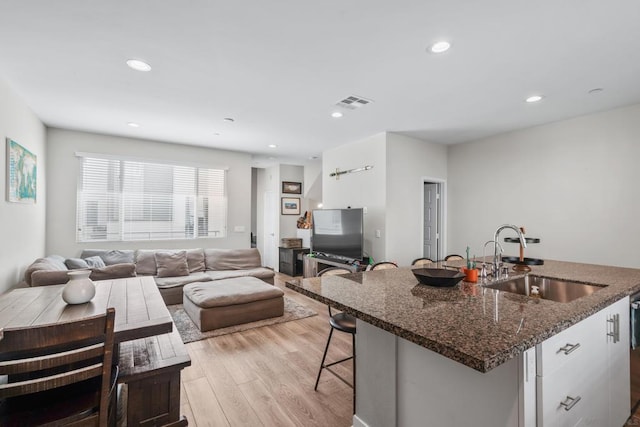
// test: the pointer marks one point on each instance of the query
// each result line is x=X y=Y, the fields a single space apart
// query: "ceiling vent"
x=353 y=102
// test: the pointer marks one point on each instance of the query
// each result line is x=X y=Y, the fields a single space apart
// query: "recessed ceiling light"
x=228 y=119
x=534 y=98
x=216 y=134
x=336 y=114
x=596 y=90
x=272 y=145
x=439 y=47
x=313 y=157
x=133 y=125
x=138 y=65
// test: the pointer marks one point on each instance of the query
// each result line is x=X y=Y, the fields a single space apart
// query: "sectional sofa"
x=171 y=269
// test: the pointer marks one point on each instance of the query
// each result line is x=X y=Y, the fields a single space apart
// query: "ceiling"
x=279 y=67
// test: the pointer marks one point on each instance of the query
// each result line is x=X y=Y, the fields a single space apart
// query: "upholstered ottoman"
x=220 y=303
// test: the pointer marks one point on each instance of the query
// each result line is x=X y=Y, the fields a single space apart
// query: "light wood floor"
x=265 y=376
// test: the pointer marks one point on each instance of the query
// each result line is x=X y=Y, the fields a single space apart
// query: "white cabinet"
x=618 y=359
x=583 y=372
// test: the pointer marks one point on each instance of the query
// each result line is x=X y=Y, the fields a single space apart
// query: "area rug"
x=189 y=332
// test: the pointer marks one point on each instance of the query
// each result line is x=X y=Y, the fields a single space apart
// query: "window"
x=121 y=199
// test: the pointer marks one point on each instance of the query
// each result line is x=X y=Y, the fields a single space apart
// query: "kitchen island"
x=474 y=355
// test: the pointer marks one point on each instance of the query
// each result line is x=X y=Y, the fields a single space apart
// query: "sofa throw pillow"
x=75 y=263
x=172 y=264
x=91 y=262
x=110 y=256
x=95 y=262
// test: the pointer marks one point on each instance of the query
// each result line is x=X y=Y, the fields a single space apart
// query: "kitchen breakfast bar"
x=473 y=355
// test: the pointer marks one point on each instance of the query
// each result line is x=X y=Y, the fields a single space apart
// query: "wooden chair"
x=342 y=322
x=453 y=257
x=382 y=265
x=422 y=262
x=58 y=374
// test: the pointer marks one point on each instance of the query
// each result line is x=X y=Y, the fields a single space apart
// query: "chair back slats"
x=39 y=363
x=44 y=358
x=383 y=265
x=50 y=381
x=15 y=340
x=333 y=271
x=421 y=262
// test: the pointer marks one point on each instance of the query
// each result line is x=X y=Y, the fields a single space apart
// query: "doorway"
x=432 y=223
x=271 y=229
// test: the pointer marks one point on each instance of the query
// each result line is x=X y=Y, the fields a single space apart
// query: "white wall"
x=63 y=175
x=288 y=223
x=360 y=189
x=312 y=184
x=22 y=226
x=573 y=183
x=409 y=162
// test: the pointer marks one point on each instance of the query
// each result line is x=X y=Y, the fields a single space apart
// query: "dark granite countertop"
x=468 y=323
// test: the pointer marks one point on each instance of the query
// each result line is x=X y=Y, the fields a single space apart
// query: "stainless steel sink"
x=551 y=289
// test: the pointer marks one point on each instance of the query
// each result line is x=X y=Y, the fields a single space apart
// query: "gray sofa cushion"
x=115 y=271
x=110 y=256
x=260 y=273
x=52 y=262
x=232 y=259
x=49 y=277
x=172 y=264
x=59 y=277
x=91 y=262
x=172 y=282
x=146 y=261
x=195 y=259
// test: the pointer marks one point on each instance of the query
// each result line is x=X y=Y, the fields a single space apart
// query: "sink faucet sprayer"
x=523 y=242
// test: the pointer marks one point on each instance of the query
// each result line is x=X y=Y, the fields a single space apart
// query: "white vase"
x=79 y=289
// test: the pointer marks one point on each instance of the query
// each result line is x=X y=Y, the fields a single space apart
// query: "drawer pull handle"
x=569 y=348
x=615 y=334
x=570 y=402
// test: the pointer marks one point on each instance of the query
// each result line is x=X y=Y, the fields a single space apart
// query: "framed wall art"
x=291 y=187
x=22 y=173
x=290 y=206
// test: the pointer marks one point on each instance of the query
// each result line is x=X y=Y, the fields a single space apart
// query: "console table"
x=313 y=265
x=289 y=262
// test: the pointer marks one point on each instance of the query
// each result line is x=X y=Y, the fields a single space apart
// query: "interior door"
x=271 y=211
x=430 y=221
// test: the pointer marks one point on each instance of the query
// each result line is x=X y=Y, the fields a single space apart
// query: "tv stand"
x=313 y=265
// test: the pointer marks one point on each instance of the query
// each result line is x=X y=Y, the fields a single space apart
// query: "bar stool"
x=382 y=265
x=421 y=262
x=342 y=322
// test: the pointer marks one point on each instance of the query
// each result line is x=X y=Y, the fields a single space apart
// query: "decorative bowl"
x=439 y=277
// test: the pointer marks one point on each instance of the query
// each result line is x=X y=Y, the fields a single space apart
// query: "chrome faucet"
x=483 y=271
x=523 y=242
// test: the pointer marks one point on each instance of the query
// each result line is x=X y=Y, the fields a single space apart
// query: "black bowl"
x=439 y=277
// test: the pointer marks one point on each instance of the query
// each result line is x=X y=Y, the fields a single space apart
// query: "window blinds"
x=121 y=200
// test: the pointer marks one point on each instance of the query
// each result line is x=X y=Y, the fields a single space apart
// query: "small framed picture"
x=290 y=206
x=291 y=187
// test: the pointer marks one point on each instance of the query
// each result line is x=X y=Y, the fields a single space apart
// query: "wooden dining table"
x=149 y=351
x=140 y=310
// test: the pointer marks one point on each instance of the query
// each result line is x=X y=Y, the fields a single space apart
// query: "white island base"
x=399 y=383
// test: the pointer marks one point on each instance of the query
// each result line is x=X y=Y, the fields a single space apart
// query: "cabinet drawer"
x=578 y=379
x=573 y=343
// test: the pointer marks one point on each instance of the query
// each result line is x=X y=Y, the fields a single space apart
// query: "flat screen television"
x=338 y=233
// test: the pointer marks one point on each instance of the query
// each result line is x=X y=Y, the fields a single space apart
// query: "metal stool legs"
x=329 y=365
